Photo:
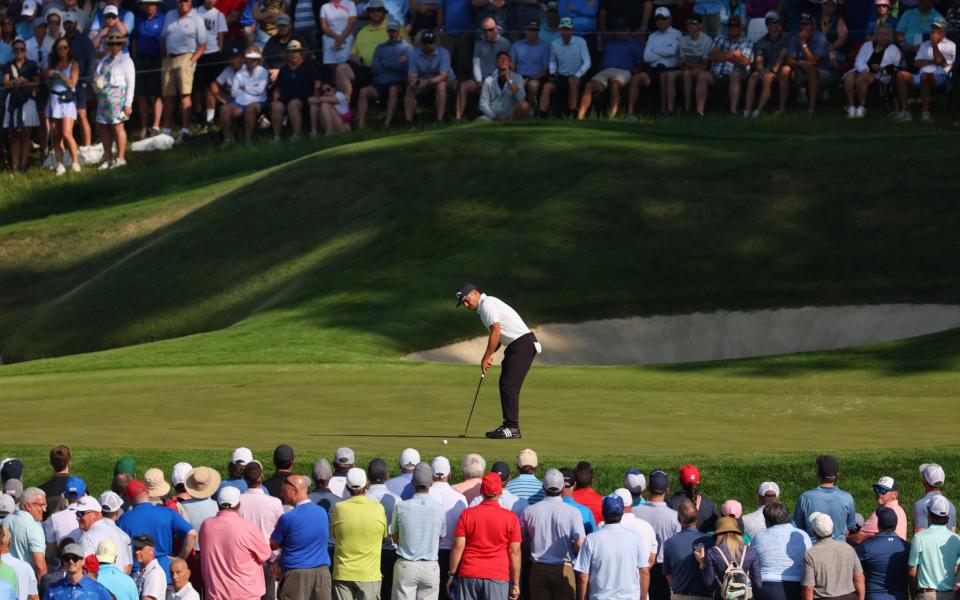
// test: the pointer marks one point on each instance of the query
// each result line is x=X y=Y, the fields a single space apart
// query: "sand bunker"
x=718 y=335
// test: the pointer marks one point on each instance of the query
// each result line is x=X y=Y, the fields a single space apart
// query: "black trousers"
x=517 y=359
x=659 y=588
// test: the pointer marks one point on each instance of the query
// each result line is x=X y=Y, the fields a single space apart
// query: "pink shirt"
x=871 y=529
x=232 y=551
x=260 y=509
x=469 y=488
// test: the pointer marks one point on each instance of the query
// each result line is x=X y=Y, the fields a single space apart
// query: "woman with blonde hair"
x=728 y=554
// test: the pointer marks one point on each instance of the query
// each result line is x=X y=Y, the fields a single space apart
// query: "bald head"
x=687 y=514
x=489 y=28
x=294 y=489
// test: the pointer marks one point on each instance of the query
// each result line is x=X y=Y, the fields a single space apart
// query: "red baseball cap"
x=689 y=474
x=134 y=489
x=91 y=565
x=492 y=485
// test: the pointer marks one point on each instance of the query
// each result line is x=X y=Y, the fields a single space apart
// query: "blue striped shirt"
x=419 y=523
x=780 y=550
x=527 y=487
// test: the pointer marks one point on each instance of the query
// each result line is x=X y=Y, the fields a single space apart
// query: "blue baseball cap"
x=612 y=505
x=659 y=482
x=74 y=488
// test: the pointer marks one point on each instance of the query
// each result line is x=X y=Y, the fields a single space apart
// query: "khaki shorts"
x=933 y=595
x=605 y=76
x=552 y=582
x=176 y=72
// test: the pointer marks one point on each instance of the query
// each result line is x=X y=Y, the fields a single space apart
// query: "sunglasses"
x=81 y=515
x=19 y=49
x=63 y=47
x=72 y=558
x=109 y=16
x=490 y=29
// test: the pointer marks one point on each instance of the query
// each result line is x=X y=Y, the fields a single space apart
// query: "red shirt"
x=226 y=7
x=489 y=530
x=592 y=500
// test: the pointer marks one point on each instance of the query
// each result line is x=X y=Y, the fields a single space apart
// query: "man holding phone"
x=503 y=96
x=679 y=564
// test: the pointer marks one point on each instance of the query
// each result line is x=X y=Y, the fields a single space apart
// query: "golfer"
x=507 y=329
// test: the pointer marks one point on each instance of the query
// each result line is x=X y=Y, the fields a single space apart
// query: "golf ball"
x=444 y=442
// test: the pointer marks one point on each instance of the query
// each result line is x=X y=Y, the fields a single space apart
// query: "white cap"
x=409 y=458
x=87 y=504
x=344 y=456
x=933 y=474
x=822 y=524
x=69 y=16
x=242 y=455
x=110 y=10
x=939 y=505
x=626 y=497
x=356 y=478
x=553 y=481
x=253 y=54
x=106 y=552
x=7 y=505
x=229 y=497
x=527 y=458
x=768 y=486
x=634 y=483
x=111 y=501
x=179 y=473
x=440 y=466
x=662 y=11
x=29 y=8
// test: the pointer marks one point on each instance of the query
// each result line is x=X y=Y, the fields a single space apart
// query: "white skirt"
x=30 y=116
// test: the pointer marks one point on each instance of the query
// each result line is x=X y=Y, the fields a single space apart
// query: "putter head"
x=462 y=435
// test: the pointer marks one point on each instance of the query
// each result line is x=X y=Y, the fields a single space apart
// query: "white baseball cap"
x=242 y=455
x=344 y=456
x=356 y=478
x=106 y=552
x=440 y=466
x=939 y=506
x=822 y=524
x=111 y=501
x=179 y=473
x=229 y=497
x=87 y=504
x=933 y=474
x=7 y=505
x=767 y=487
x=635 y=482
x=625 y=497
x=29 y=8
x=110 y=10
x=662 y=11
x=409 y=458
x=527 y=458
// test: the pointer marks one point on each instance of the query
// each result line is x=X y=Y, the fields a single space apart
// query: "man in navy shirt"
x=679 y=565
x=297 y=81
x=884 y=560
x=622 y=64
x=145 y=49
x=301 y=535
x=808 y=65
x=86 y=56
x=159 y=522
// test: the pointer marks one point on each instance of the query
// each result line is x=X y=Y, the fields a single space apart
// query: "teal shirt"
x=117 y=582
x=936 y=553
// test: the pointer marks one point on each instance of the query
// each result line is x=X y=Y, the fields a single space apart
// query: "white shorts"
x=30 y=116
x=605 y=76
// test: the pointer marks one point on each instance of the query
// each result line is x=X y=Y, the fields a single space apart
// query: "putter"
x=466 y=430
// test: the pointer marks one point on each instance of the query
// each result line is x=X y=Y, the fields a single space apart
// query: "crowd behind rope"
x=312 y=66
x=499 y=534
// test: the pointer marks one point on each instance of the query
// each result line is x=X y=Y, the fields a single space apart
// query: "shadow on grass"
x=373 y=238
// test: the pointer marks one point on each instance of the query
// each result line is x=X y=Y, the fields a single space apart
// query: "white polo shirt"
x=106 y=529
x=151 y=581
x=494 y=310
x=183 y=34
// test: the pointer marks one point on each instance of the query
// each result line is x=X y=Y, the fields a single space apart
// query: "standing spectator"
x=877 y=60
x=808 y=66
x=584 y=493
x=110 y=576
x=485 y=52
x=826 y=498
x=780 y=549
x=731 y=58
x=8 y=581
x=62 y=109
x=769 y=55
x=662 y=54
x=424 y=14
x=97 y=529
x=267 y=16
x=453 y=504
x=526 y=485
x=507 y=500
x=402 y=485
x=935 y=554
x=913 y=25
x=377 y=474
x=25 y=576
x=695 y=49
x=391 y=62
x=160 y=525
x=706 y=509
x=116 y=76
x=234 y=551
x=882 y=16
x=63 y=524
x=728 y=549
x=417 y=526
x=208 y=67
x=583 y=14
x=249 y=89
x=531 y=59
x=182 y=588
x=337 y=20
x=241 y=457
x=834 y=28
x=112 y=508
x=298 y=80
x=680 y=567
x=457 y=23
x=301 y=536
x=200 y=483
x=357 y=71
x=61 y=458
x=729 y=9
x=550 y=30
x=283 y=461
x=933 y=477
x=343 y=461
x=498 y=10
x=635 y=483
x=831 y=568
x=145 y=47
x=7 y=506
x=486 y=557
x=933 y=63
x=711 y=11
x=767 y=493
x=429 y=74
x=76 y=585
x=262 y=510
x=638 y=526
x=184 y=42
x=665 y=524
x=503 y=95
x=359 y=526
x=554 y=534
x=305 y=15
x=150 y=579
x=86 y=57
x=569 y=61
x=473 y=468
x=321 y=494
x=586 y=515
x=20 y=80
x=28 y=542
x=613 y=562
x=887 y=492
x=884 y=558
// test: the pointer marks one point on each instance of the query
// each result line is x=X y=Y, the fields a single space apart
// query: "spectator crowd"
x=230 y=68
x=406 y=532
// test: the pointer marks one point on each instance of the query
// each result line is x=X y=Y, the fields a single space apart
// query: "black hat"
x=377 y=471
x=464 y=291
x=143 y=540
x=806 y=18
x=502 y=469
x=886 y=518
x=12 y=469
x=533 y=24
x=283 y=454
x=569 y=477
x=695 y=18
x=428 y=37
x=827 y=467
x=499 y=54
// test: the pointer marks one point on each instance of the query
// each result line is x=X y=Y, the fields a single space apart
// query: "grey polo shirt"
x=662 y=518
x=183 y=34
x=486 y=52
x=552 y=527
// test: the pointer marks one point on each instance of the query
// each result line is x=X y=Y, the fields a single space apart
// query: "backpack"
x=735 y=584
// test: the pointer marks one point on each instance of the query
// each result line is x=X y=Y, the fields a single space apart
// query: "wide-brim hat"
x=157 y=486
x=727 y=525
x=202 y=482
x=116 y=38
